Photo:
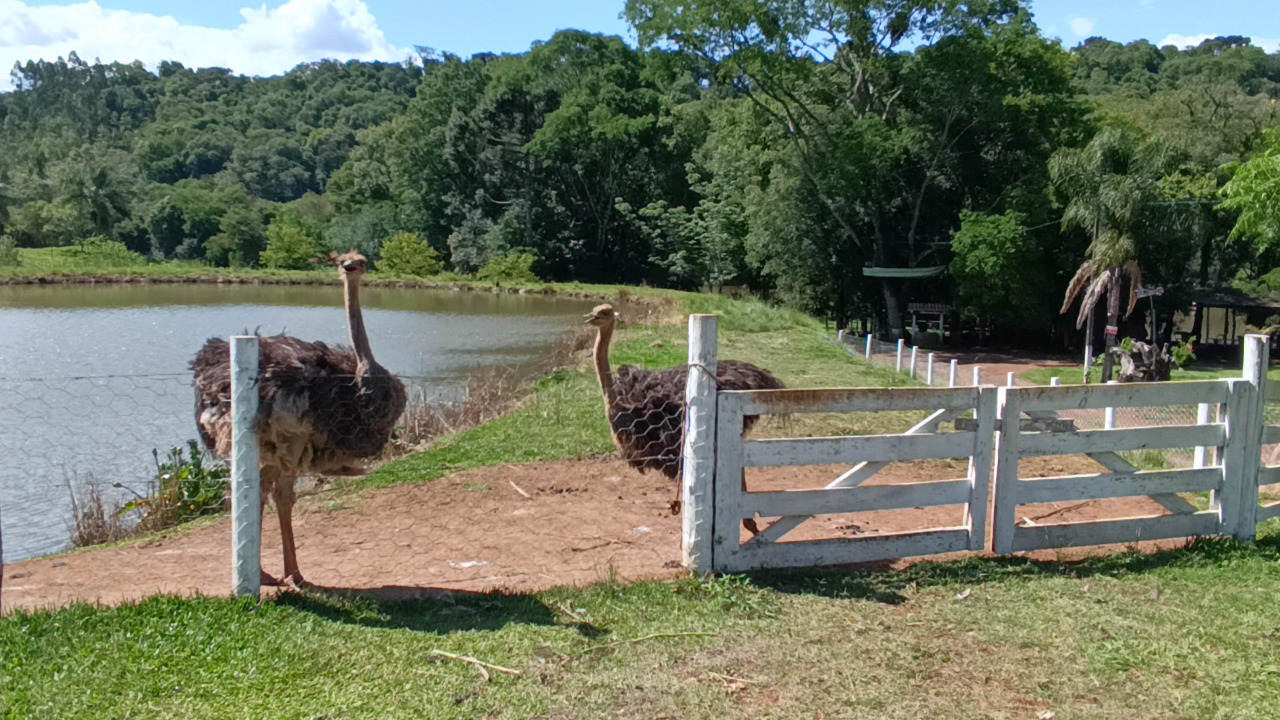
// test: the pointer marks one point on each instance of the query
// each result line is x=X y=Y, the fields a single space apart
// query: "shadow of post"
x=427 y=609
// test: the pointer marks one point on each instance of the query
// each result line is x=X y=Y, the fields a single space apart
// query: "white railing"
x=1008 y=424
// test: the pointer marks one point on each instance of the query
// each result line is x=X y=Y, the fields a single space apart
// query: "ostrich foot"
x=267 y=580
x=295 y=580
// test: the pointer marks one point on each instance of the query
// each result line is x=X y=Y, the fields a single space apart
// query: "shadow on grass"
x=428 y=610
x=881 y=583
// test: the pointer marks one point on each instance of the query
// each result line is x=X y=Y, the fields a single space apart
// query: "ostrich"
x=321 y=408
x=645 y=408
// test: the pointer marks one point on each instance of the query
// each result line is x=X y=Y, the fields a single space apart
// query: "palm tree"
x=1104 y=184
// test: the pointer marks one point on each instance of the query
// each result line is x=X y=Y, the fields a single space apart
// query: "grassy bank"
x=1072 y=375
x=1190 y=633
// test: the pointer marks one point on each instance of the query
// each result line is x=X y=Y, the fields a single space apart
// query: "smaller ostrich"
x=321 y=409
x=645 y=408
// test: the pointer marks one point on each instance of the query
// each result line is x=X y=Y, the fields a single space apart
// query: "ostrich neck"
x=602 y=364
x=355 y=321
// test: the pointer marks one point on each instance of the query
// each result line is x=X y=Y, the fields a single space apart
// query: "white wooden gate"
x=868 y=455
x=1226 y=481
x=1229 y=465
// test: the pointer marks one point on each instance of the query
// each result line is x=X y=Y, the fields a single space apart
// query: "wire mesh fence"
x=95 y=459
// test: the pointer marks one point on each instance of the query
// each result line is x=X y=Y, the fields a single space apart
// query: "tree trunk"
x=893 y=307
x=1113 y=321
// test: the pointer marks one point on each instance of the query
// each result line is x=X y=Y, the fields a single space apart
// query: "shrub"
x=408 y=254
x=100 y=252
x=288 y=248
x=186 y=486
x=9 y=252
x=511 y=268
x=1183 y=353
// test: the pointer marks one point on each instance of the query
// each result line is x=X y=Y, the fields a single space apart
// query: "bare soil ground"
x=518 y=528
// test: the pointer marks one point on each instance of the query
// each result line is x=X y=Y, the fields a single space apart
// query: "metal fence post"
x=870 y=340
x=246 y=508
x=928 y=370
x=901 y=344
x=913 y=361
x=698 y=468
x=952 y=375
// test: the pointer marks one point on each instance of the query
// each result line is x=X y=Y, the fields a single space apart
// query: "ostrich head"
x=602 y=315
x=351 y=265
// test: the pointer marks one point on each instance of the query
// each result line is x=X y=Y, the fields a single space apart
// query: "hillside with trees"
x=780 y=149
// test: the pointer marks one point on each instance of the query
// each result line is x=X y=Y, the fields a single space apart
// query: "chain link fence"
x=90 y=460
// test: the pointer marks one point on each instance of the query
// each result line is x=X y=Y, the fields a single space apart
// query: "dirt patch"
x=519 y=528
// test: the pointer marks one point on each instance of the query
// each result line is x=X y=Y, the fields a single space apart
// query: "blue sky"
x=272 y=37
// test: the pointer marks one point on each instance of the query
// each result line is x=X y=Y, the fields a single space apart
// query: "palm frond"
x=1091 y=296
x=1135 y=284
x=1081 y=279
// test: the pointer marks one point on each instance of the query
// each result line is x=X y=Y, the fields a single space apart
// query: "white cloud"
x=267 y=42
x=1185 y=41
x=1082 y=27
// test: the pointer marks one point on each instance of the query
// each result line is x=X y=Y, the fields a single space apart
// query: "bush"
x=510 y=268
x=1183 y=353
x=100 y=252
x=185 y=487
x=9 y=252
x=408 y=254
x=288 y=248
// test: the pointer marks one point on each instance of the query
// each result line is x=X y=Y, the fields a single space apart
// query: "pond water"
x=93 y=378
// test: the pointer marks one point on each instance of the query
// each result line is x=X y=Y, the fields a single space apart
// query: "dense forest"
x=781 y=148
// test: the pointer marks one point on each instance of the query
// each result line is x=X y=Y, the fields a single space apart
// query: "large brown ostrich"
x=321 y=409
x=645 y=408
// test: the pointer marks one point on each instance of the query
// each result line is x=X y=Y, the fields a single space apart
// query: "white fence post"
x=698 y=468
x=1202 y=418
x=928 y=371
x=246 y=508
x=1109 y=415
x=1005 y=503
x=870 y=341
x=1011 y=380
x=1231 y=501
x=1055 y=382
x=1257 y=359
x=952 y=375
x=977 y=376
x=913 y=361
x=901 y=345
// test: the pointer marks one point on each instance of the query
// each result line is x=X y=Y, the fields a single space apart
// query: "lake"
x=93 y=378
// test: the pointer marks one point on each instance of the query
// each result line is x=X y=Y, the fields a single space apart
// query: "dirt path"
x=583 y=521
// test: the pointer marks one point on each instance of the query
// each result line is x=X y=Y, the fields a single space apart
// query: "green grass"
x=564 y=416
x=1183 y=634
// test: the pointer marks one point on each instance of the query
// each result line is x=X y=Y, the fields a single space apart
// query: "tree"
x=408 y=254
x=1254 y=192
x=998 y=269
x=288 y=247
x=1105 y=188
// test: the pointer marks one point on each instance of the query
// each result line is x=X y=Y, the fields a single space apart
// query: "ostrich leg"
x=270 y=476
x=283 y=495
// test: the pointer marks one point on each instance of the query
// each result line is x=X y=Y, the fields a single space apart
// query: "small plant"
x=1183 y=353
x=408 y=254
x=186 y=486
x=9 y=252
x=510 y=268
